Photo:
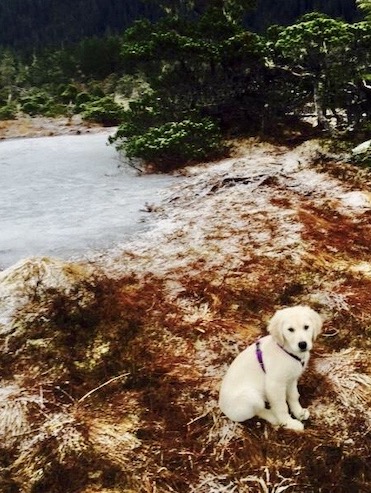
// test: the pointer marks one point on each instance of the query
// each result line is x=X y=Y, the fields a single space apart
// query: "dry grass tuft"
x=57 y=450
x=345 y=370
x=14 y=422
x=210 y=483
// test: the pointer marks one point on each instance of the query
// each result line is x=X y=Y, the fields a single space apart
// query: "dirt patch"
x=37 y=126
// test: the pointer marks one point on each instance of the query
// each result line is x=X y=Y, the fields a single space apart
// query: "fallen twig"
x=88 y=394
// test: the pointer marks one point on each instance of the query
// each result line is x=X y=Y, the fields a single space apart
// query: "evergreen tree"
x=326 y=53
x=198 y=67
x=365 y=6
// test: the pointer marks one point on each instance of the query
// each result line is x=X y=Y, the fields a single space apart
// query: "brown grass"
x=112 y=387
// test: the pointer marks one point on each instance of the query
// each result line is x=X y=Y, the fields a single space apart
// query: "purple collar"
x=259 y=355
x=292 y=355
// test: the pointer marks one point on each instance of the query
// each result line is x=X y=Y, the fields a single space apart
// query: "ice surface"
x=66 y=195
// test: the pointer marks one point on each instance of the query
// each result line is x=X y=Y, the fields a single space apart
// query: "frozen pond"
x=64 y=196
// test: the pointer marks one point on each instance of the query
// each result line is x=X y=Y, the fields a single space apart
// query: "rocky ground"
x=110 y=367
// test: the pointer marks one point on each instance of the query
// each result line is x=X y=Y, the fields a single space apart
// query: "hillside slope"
x=110 y=368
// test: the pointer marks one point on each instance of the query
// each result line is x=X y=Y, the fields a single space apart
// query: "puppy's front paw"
x=301 y=414
x=304 y=415
x=294 y=424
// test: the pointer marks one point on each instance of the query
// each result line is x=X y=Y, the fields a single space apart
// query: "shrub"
x=96 y=90
x=34 y=103
x=55 y=109
x=67 y=93
x=105 y=111
x=8 y=111
x=41 y=103
x=81 y=99
x=174 y=144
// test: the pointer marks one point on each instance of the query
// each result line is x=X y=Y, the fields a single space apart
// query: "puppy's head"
x=295 y=328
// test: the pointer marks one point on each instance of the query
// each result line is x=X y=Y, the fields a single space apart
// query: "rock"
x=362 y=148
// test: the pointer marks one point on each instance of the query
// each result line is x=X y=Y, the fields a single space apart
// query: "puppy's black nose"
x=302 y=345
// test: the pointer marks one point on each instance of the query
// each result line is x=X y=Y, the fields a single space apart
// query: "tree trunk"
x=319 y=104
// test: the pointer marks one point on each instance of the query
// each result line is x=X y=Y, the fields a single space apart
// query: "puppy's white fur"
x=246 y=388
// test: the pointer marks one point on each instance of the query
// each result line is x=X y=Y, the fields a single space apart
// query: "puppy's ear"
x=317 y=322
x=275 y=327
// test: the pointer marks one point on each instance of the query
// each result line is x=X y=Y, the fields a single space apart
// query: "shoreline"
x=42 y=126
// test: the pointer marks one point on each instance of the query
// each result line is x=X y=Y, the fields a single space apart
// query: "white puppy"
x=267 y=371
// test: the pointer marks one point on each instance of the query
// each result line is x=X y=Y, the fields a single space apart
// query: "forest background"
x=181 y=77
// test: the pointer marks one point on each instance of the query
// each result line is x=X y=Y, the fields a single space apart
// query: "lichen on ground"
x=110 y=375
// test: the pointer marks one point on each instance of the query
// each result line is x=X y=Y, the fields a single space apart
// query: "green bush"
x=67 y=93
x=53 y=109
x=33 y=103
x=32 y=108
x=42 y=103
x=96 y=90
x=36 y=103
x=81 y=99
x=174 y=144
x=105 y=111
x=8 y=111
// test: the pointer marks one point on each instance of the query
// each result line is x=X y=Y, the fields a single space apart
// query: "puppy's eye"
x=290 y=329
x=306 y=327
